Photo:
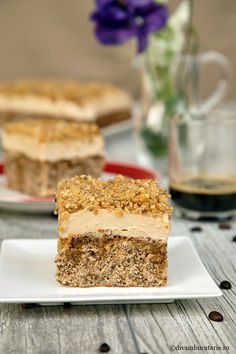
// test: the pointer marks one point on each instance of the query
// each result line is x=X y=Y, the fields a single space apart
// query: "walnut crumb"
x=79 y=93
x=46 y=130
x=120 y=195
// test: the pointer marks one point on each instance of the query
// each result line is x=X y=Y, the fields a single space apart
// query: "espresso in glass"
x=205 y=194
x=202 y=166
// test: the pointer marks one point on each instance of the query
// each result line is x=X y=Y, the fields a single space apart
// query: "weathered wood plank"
x=157 y=327
x=80 y=329
x=22 y=225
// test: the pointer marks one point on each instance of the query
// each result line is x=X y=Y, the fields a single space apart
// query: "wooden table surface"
x=147 y=328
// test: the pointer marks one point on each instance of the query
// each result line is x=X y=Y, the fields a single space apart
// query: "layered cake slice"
x=112 y=233
x=39 y=153
x=71 y=100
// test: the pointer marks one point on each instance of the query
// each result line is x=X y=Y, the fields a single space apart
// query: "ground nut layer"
x=111 y=260
x=40 y=178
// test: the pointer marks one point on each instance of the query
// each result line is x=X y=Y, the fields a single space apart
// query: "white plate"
x=27 y=274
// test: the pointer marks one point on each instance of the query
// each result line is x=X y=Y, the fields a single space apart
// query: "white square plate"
x=27 y=274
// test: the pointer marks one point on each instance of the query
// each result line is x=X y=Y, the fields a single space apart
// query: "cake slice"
x=39 y=153
x=112 y=233
x=71 y=100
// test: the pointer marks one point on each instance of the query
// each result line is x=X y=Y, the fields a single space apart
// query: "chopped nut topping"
x=121 y=195
x=45 y=130
x=61 y=90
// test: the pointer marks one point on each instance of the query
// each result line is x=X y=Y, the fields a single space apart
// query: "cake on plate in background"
x=39 y=153
x=98 y=102
x=112 y=233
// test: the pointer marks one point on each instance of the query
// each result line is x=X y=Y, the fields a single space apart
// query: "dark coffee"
x=205 y=194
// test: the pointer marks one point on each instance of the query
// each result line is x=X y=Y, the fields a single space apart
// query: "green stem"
x=187 y=76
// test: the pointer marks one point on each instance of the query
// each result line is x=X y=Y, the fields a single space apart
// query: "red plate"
x=129 y=170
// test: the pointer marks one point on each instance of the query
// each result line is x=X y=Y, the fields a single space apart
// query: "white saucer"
x=27 y=274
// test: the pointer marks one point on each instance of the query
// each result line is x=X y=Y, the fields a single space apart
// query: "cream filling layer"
x=131 y=225
x=53 y=151
x=88 y=111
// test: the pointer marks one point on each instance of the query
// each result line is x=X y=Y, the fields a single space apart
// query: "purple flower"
x=119 y=20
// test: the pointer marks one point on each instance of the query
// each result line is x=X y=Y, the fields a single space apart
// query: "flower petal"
x=139 y=3
x=113 y=35
x=155 y=19
x=111 y=15
x=119 y=20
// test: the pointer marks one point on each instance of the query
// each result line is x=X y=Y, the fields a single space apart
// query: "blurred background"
x=51 y=38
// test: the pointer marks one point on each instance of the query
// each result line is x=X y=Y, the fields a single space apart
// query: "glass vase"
x=170 y=91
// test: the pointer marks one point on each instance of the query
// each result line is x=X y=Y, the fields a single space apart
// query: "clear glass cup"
x=202 y=165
